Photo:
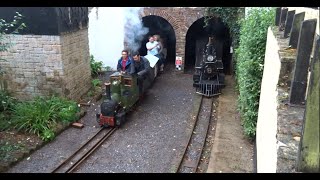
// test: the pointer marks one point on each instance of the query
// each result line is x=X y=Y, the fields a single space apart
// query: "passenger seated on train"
x=161 y=53
x=141 y=67
x=153 y=47
x=124 y=63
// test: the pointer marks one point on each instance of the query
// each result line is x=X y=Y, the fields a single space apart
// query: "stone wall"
x=279 y=125
x=76 y=63
x=41 y=65
x=33 y=66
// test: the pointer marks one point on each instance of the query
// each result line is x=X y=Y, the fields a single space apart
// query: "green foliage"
x=108 y=68
x=96 y=83
x=6 y=148
x=96 y=66
x=250 y=60
x=230 y=16
x=41 y=116
x=7 y=102
x=9 y=28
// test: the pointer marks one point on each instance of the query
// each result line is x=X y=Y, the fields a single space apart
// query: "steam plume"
x=134 y=29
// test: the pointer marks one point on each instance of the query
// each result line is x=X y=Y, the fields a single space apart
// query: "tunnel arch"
x=197 y=37
x=159 y=25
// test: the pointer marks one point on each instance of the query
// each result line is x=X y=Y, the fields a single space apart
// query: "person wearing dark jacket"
x=124 y=63
x=141 y=67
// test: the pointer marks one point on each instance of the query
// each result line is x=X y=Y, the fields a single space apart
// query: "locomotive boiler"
x=209 y=77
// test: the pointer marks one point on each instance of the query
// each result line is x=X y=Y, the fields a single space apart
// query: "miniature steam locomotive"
x=209 y=77
x=122 y=93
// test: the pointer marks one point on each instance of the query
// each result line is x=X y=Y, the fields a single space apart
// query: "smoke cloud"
x=109 y=27
x=134 y=29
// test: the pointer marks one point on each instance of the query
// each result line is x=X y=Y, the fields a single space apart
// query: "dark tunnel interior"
x=160 y=26
x=197 y=38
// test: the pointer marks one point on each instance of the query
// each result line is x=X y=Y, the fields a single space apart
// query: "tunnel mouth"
x=197 y=37
x=160 y=26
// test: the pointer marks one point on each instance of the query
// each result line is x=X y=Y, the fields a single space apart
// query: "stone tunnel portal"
x=197 y=38
x=160 y=26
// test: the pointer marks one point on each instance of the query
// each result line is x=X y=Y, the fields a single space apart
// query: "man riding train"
x=137 y=65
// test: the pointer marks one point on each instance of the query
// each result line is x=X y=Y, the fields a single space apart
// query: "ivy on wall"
x=230 y=16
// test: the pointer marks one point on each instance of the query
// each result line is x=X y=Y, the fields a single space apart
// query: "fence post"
x=283 y=17
x=278 y=13
x=300 y=72
x=309 y=148
x=294 y=34
x=289 y=22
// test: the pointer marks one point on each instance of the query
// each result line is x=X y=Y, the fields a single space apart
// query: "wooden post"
x=300 y=73
x=309 y=156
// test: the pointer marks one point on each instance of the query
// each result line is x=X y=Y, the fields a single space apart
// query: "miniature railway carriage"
x=209 y=77
x=122 y=93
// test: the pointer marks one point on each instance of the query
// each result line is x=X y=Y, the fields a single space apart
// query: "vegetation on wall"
x=230 y=16
x=250 y=61
x=7 y=102
x=8 y=28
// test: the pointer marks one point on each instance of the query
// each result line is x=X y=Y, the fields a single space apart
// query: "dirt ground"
x=231 y=152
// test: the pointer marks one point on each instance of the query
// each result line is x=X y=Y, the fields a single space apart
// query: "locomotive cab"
x=209 y=77
x=122 y=93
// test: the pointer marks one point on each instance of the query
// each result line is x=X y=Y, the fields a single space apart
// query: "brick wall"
x=42 y=65
x=180 y=18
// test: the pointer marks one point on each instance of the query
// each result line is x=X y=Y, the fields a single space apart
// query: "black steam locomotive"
x=209 y=77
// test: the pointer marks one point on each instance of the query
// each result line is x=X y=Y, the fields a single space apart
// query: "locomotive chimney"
x=210 y=40
x=108 y=90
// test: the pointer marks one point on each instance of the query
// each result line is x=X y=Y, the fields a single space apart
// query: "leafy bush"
x=41 y=115
x=108 y=68
x=7 y=102
x=96 y=82
x=96 y=66
x=250 y=61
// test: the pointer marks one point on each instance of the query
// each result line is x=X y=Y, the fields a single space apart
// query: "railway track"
x=191 y=155
x=78 y=157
